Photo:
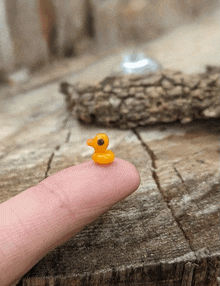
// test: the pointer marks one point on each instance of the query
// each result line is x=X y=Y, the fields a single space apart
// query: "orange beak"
x=89 y=142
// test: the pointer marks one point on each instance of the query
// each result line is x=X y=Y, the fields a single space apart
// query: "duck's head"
x=99 y=142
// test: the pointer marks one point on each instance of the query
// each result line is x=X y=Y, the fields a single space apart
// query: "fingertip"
x=117 y=180
x=134 y=175
x=90 y=183
x=130 y=176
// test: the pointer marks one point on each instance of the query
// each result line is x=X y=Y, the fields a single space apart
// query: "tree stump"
x=166 y=233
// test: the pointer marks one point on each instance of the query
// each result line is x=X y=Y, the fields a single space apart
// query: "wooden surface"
x=166 y=233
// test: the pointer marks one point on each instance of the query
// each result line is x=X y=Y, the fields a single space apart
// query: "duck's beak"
x=89 y=142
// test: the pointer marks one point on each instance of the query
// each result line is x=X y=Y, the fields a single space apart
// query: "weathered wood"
x=166 y=233
x=30 y=48
x=70 y=25
x=6 y=46
x=32 y=31
x=131 y=22
x=132 y=100
x=151 y=237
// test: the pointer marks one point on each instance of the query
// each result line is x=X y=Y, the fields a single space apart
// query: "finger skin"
x=44 y=216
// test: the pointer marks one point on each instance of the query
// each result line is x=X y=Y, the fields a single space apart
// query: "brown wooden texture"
x=166 y=233
x=28 y=43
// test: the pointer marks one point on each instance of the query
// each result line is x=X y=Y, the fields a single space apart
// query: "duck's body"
x=103 y=158
x=101 y=155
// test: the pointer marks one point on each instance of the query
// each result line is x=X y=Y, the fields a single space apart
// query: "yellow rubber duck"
x=101 y=155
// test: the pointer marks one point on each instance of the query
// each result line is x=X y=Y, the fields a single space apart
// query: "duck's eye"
x=100 y=142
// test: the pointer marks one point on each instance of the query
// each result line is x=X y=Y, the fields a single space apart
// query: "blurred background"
x=39 y=33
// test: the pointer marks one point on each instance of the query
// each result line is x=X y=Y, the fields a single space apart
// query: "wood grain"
x=166 y=233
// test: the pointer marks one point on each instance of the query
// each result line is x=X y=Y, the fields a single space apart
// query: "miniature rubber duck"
x=101 y=155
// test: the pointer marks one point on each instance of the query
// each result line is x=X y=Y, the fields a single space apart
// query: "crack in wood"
x=189 y=270
x=53 y=154
x=179 y=175
x=57 y=147
x=65 y=121
x=68 y=137
x=187 y=189
x=157 y=182
x=49 y=165
x=147 y=148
